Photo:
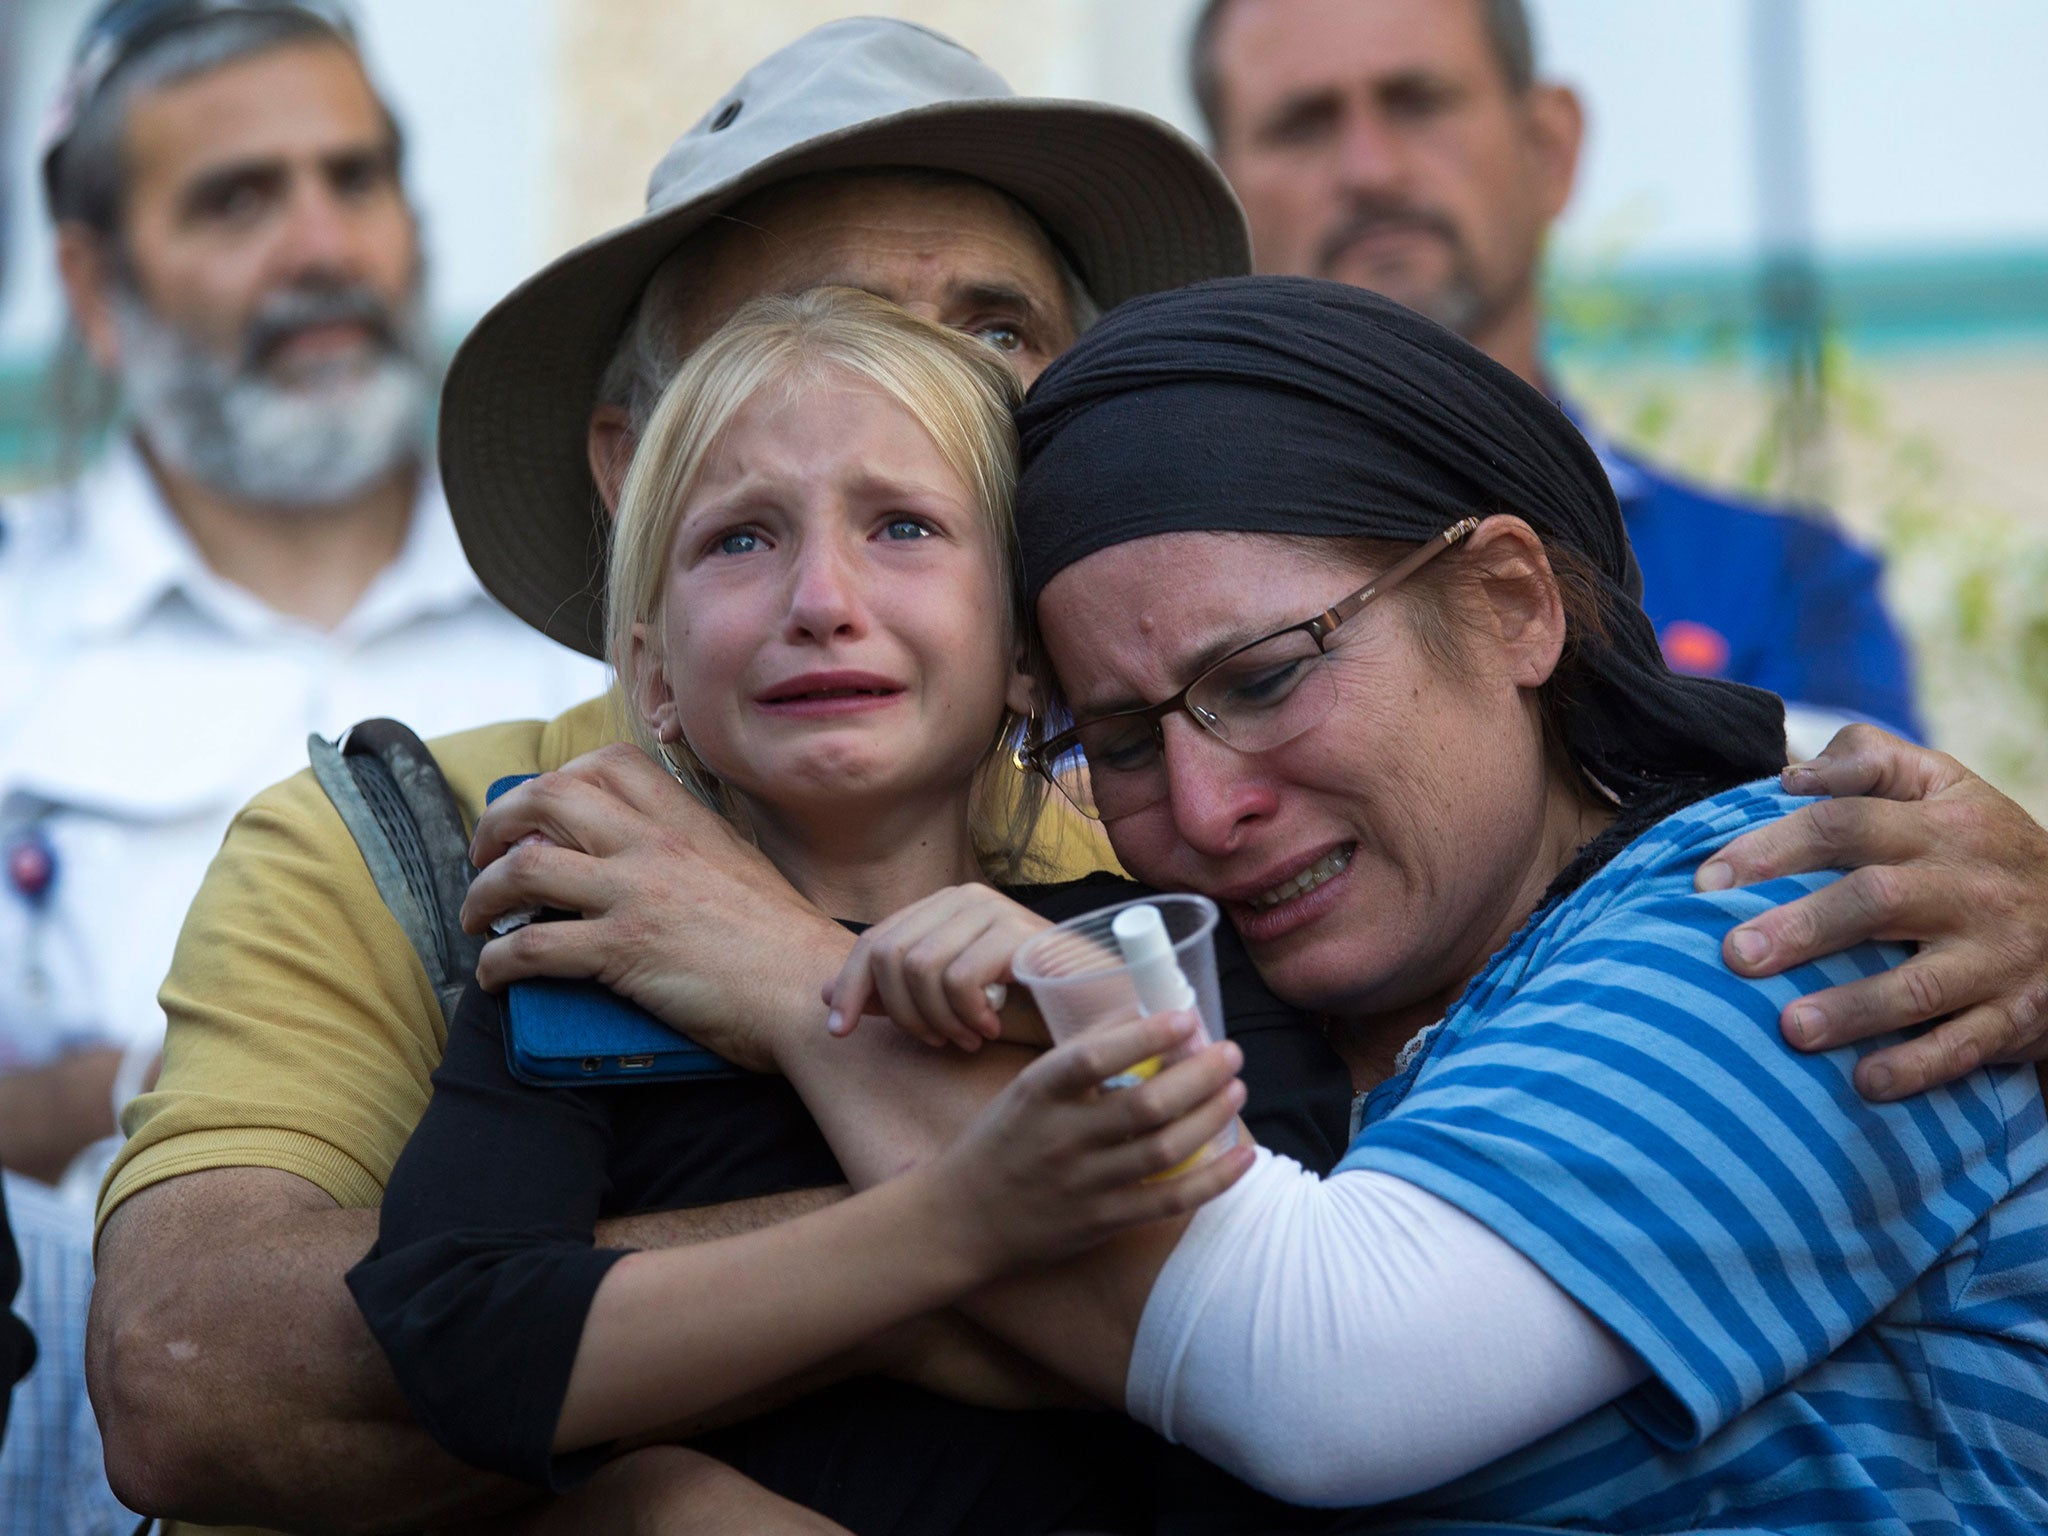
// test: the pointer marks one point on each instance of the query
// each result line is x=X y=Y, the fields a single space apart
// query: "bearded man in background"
x=261 y=551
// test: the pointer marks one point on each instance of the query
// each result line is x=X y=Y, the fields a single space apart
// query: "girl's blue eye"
x=744 y=542
x=907 y=528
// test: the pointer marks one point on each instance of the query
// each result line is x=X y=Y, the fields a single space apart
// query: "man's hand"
x=1935 y=856
x=677 y=912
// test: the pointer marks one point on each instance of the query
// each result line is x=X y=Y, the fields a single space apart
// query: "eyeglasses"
x=1260 y=696
x=123 y=30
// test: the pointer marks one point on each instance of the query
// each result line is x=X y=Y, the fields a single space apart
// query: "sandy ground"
x=1990 y=416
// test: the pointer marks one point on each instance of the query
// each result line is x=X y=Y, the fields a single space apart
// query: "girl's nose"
x=825 y=598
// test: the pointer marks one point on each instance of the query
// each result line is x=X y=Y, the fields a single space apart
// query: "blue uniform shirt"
x=1762 y=596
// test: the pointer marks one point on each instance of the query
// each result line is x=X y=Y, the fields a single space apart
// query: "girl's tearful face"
x=834 y=626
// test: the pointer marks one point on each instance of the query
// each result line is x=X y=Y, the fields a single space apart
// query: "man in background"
x=262 y=550
x=1408 y=146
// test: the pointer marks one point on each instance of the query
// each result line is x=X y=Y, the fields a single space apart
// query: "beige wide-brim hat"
x=1136 y=205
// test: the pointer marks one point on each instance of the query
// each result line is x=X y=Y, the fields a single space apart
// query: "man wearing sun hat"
x=232 y=1374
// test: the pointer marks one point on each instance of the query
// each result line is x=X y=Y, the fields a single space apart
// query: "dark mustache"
x=1369 y=218
x=301 y=309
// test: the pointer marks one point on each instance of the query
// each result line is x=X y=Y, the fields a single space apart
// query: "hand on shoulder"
x=676 y=910
x=1936 y=857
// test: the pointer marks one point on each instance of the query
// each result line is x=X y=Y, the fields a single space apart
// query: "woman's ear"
x=1522 y=598
x=649 y=689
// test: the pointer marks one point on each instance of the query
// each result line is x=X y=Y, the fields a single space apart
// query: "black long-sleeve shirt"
x=485 y=1266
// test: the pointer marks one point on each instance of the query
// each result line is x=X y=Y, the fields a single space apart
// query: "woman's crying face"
x=1369 y=863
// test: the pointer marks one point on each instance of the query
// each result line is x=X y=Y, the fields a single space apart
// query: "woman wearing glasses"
x=1602 y=1254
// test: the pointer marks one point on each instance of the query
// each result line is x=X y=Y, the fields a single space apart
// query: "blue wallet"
x=559 y=1032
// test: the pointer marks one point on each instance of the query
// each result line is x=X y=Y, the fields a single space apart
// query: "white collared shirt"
x=143 y=700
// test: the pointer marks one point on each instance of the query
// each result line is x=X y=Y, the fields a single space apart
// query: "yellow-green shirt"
x=301 y=1027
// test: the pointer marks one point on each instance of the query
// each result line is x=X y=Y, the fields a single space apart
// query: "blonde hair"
x=961 y=394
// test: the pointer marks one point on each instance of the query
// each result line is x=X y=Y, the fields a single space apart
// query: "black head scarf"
x=1294 y=406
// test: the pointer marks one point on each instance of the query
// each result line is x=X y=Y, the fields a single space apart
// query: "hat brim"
x=1136 y=205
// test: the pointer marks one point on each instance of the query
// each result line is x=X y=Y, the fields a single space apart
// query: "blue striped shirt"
x=1843 y=1306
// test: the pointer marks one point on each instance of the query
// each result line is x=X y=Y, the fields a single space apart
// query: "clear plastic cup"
x=1078 y=977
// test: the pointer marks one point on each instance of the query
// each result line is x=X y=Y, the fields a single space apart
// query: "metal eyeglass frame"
x=1043 y=759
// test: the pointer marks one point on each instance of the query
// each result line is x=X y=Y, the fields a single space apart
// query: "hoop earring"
x=675 y=770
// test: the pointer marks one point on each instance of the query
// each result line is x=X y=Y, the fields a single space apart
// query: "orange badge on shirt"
x=1694 y=648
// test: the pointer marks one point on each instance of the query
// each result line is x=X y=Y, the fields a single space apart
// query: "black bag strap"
x=396 y=803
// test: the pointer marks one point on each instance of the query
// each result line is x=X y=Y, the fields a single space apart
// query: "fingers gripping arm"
x=1936 y=857
x=938 y=969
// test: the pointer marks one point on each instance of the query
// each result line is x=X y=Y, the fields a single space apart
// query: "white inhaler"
x=1161 y=985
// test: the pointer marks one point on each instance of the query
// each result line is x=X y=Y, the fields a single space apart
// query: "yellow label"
x=1130 y=1077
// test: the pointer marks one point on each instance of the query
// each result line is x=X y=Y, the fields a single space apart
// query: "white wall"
x=1928 y=123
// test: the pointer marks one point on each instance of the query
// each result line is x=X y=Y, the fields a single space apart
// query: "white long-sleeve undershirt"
x=1355 y=1339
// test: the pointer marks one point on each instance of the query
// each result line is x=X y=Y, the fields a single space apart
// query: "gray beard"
x=305 y=447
